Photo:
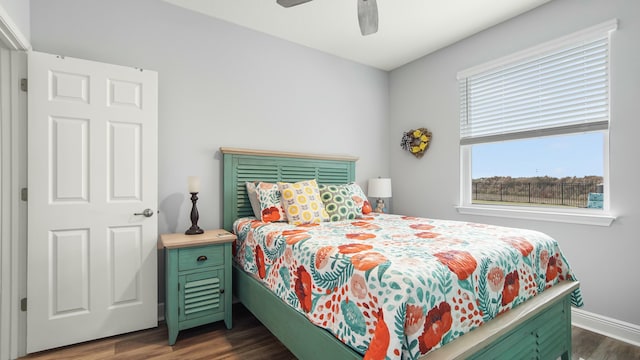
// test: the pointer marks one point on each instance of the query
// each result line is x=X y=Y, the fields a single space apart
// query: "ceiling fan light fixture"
x=367 y=13
x=368 y=16
x=290 y=3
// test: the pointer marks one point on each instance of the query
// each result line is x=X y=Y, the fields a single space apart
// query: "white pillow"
x=253 y=198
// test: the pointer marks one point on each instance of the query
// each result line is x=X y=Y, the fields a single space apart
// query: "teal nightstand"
x=198 y=279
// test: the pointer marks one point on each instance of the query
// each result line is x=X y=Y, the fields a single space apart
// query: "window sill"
x=572 y=217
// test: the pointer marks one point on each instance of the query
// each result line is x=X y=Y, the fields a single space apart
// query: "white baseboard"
x=160 y=312
x=612 y=328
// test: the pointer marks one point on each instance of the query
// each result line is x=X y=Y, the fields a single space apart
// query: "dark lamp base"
x=194 y=231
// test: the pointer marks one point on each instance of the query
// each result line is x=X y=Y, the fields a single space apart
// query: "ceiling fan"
x=367 y=13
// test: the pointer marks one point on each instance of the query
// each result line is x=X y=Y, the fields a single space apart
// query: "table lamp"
x=379 y=188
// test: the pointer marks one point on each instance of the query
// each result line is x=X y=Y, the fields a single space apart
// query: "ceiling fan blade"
x=290 y=3
x=368 y=16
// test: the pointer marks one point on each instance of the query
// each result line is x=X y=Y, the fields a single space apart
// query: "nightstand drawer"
x=200 y=257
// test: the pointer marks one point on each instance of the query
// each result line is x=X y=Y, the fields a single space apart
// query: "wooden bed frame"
x=539 y=327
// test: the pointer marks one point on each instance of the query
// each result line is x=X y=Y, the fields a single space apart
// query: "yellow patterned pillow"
x=302 y=202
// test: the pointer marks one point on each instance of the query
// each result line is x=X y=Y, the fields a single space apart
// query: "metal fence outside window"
x=556 y=194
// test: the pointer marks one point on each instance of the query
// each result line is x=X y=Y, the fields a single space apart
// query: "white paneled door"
x=92 y=163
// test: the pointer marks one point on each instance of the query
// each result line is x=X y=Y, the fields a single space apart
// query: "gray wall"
x=223 y=85
x=425 y=93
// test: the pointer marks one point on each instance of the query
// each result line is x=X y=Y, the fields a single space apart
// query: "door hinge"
x=23 y=304
x=24 y=194
x=24 y=84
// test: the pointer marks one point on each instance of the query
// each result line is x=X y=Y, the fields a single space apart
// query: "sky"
x=555 y=156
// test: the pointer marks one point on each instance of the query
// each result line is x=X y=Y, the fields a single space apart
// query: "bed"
x=540 y=326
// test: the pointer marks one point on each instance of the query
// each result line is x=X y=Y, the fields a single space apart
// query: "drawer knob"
x=201 y=258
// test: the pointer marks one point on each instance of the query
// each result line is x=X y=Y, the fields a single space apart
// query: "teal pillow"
x=338 y=202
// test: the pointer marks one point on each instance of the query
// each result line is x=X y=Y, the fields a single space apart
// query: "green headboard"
x=242 y=165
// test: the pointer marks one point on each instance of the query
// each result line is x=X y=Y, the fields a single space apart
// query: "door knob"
x=146 y=213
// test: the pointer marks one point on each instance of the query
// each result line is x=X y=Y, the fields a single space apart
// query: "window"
x=534 y=130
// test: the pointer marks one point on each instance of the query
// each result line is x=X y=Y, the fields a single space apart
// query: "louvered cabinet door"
x=201 y=294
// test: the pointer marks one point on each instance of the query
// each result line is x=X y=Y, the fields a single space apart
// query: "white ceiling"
x=408 y=29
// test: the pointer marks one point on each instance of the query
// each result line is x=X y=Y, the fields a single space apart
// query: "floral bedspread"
x=393 y=286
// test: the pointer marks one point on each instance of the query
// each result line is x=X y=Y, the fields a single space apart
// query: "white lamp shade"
x=379 y=188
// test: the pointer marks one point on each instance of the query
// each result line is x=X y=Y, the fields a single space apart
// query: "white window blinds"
x=557 y=91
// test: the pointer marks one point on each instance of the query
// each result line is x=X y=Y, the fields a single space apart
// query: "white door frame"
x=13 y=170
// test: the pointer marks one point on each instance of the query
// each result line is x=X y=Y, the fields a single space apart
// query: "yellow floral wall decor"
x=416 y=141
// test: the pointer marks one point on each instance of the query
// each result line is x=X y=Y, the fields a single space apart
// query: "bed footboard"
x=540 y=326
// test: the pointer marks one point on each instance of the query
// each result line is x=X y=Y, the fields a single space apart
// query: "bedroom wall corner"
x=425 y=93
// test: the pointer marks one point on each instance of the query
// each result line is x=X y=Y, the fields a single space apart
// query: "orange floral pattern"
x=519 y=243
x=414 y=320
x=359 y=286
x=271 y=214
x=365 y=225
x=303 y=288
x=462 y=263
x=427 y=235
x=552 y=269
x=496 y=279
x=367 y=260
x=511 y=287
x=262 y=271
x=360 y=236
x=437 y=324
x=295 y=236
x=322 y=256
x=421 y=226
x=397 y=286
x=353 y=248
x=308 y=225
x=380 y=342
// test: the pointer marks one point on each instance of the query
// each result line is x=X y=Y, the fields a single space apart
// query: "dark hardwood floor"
x=250 y=340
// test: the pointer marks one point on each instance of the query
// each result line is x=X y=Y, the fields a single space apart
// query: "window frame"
x=598 y=217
